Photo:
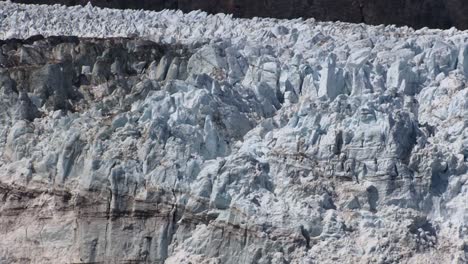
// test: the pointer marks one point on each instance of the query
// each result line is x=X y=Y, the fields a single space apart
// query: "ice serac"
x=163 y=137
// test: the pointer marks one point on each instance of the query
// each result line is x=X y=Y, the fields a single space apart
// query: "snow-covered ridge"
x=251 y=141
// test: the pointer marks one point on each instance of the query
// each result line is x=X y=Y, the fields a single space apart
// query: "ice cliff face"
x=207 y=139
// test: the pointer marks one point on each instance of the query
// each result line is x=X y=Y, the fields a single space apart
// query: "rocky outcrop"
x=209 y=139
x=419 y=13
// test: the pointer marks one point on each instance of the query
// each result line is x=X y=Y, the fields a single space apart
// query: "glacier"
x=131 y=136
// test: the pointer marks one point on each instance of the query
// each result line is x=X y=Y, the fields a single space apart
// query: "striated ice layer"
x=201 y=138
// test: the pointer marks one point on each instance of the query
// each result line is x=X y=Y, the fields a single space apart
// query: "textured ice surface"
x=229 y=140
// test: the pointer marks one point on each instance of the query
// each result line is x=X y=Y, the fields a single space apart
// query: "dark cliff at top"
x=415 y=13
